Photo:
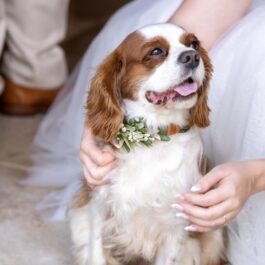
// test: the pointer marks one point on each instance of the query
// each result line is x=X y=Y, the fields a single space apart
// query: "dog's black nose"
x=189 y=59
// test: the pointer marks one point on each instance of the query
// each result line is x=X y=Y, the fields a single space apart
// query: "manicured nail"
x=190 y=228
x=179 y=197
x=177 y=206
x=196 y=188
x=182 y=215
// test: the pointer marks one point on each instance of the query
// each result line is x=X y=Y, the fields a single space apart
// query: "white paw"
x=86 y=237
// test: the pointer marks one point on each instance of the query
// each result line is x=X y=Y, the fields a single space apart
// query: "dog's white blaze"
x=166 y=30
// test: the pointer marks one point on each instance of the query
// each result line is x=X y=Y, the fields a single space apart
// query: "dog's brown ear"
x=200 y=112
x=105 y=114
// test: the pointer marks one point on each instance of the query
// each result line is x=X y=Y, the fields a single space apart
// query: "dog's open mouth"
x=184 y=90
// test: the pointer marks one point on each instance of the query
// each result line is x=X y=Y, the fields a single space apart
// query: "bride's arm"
x=209 y=20
x=258 y=182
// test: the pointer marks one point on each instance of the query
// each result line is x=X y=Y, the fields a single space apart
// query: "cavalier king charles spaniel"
x=159 y=75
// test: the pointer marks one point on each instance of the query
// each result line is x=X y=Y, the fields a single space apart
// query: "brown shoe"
x=22 y=101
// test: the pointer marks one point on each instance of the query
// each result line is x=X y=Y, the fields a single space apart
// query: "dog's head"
x=159 y=73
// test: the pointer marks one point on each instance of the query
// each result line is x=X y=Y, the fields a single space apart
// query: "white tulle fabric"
x=237 y=100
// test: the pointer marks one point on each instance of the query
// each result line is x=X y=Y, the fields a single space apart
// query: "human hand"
x=219 y=196
x=96 y=163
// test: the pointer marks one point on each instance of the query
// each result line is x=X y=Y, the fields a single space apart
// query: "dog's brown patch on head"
x=200 y=112
x=140 y=61
x=118 y=78
x=190 y=40
x=156 y=51
x=130 y=51
x=111 y=85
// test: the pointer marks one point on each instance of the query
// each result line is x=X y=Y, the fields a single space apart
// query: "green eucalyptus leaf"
x=136 y=130
x=148 y=142
x=126 y=142
x=127 y=148
x=164 y=138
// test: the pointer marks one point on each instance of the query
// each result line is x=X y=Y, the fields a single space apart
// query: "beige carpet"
x=26 y=239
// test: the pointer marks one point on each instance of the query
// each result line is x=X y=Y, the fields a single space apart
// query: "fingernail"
x=190 y=228
x=179 y=197
x=177 y=206
x=182 y=215
x=196 y=188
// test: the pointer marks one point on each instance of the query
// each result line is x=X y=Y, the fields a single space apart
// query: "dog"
x=159 y=74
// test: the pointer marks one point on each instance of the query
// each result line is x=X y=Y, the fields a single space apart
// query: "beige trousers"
x=30 y=31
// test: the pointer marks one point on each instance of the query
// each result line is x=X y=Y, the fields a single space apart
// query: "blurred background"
x=26 y=239
x=86 y=18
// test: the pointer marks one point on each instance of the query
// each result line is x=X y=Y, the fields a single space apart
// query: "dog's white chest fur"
x=132 y=216
x=154 y=176
x=144 y=185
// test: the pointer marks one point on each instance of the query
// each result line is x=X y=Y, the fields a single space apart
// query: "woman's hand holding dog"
x=96 y=162
x=219 y=196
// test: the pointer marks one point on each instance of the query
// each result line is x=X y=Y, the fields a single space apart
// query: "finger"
x=214 y=224
x=210 y=198
x=217 y=225
x=89 y=147
x=209 y=180
x=87 y=177
x=93 y=182
x=97 y=172
x=99 y=157
x=199 y=229
x=207 y=214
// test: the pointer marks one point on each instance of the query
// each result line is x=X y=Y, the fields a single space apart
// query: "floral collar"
x=135 y=132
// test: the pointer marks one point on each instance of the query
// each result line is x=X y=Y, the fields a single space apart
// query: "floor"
x=26 y=238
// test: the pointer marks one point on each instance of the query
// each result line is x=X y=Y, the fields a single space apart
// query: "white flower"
x=134 y=131
x=156 y=136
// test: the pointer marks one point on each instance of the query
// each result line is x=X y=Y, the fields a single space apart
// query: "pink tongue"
x=186 y=89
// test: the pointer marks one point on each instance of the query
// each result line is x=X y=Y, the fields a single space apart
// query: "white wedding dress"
x=237 y=100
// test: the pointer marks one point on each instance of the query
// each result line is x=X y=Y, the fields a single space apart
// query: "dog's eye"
x=195 y=45
x=157 y=51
